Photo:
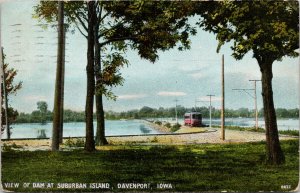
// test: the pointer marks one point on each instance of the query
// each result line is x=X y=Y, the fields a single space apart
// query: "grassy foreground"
x=230 y=167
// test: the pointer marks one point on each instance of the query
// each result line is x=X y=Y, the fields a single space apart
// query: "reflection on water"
x=144 y=130
x=129 y=127
x=41 y=133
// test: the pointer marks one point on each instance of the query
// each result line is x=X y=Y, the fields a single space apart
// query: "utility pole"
x=61 y=127
x=210 y=95
x=176 y=118
x=223 y=102
x=255 y=105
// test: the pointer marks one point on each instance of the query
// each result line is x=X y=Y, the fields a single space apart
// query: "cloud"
x=166 y=93
x=198 y=75
x=35 y=98
x=131 y=96
x=206 y=98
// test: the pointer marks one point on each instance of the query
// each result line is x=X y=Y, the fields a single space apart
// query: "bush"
x=168 y=125
x=74 y=142
x=158 y=122
x=175 y=127
x=154 y=140
x=6 y=147
x=289 y=132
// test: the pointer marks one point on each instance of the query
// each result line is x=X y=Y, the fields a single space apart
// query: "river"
x=128 y=127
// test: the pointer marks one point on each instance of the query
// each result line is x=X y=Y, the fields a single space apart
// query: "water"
x=283 y=124
x=76 y=129
x=130 y=127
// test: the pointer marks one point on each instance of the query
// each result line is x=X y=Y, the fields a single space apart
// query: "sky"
x=186 y=76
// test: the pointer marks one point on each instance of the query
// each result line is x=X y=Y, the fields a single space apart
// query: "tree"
x=267 y=28
x=57 y=111
x=42 y=106
x=42 y=112
x=10 y=88
x=144 y=26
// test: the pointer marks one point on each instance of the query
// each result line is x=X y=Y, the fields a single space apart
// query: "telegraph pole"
x=223 y=102
x=255 y=105
x=176 y=110
x=210 y=95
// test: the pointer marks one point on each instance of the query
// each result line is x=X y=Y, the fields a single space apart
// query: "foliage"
x=42 y=115
x=148 y=112
x=268 y=28
x=289 y=132
x=143 y=26
x=74 y=142
x=201 y=168
x=168 y=125
x=10 y=147
x=157 y=122
x=11 y=88
x=175 y=127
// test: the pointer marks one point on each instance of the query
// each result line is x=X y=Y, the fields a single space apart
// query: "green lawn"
x=262 y=130
x=233 y=167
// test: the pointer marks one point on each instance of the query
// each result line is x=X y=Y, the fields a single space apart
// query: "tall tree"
x=90 y=143
x=11 y=88
x=42 y=112
x=269 y=29
x=58 y=82
x=140 y=25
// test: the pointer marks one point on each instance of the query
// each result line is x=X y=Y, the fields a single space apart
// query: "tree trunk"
x=273 y=149
x=57 y=95
x=90 y=143
x=100 y=133
x=61 y=128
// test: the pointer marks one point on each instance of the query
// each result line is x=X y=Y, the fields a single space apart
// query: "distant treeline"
x=148 y=112
x=39 y=117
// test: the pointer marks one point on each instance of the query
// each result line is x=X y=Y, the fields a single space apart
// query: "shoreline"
x=211 y=136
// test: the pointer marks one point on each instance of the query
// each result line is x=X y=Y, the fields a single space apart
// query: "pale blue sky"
x=197 y=71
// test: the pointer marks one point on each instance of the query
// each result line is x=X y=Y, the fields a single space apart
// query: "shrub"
x=154 y=140
x=74 y=142
x=168 y=125
x=6 y=147
x=15 y=146
x=289 y=132
x=158 y=122
x=175 y=127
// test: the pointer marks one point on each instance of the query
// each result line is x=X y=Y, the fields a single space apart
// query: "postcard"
x=149 y=96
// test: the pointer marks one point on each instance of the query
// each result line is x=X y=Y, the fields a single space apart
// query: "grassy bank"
x=231 y=167
x=259 y=129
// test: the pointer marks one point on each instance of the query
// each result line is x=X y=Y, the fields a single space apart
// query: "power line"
x=252 y=96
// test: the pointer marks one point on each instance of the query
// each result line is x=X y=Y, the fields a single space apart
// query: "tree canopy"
x=267 y=28
x=11 y=88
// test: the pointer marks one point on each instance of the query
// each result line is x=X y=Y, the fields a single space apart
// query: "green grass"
x=262 y=130
x=231 y=167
